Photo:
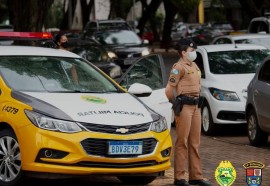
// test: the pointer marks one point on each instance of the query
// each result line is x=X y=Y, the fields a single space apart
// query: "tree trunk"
x=86 y=10
x=250 y=7
x=171 y=11
x=28 y=15
x=67 y=17
x=147 y=14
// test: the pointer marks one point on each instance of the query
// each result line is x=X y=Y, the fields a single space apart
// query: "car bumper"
x=227 y=112
x=70 y=156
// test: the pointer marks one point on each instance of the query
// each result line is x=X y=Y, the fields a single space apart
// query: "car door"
x=262 y=95
x=150 y=71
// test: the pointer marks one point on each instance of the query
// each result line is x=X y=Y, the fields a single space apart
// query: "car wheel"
x=255 y=135
x=136 y=180
x=10 y=159
x=208 y=126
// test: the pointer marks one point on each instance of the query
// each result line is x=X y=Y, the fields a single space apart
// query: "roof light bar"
x=33 y=35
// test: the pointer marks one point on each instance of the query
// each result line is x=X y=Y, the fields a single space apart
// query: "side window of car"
x=147 y=71
x=199 y=62
x=264 y=74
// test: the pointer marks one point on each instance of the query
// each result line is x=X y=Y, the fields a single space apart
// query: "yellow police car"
x=62 y=115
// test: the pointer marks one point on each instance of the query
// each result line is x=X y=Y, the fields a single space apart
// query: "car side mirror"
x=140 y=90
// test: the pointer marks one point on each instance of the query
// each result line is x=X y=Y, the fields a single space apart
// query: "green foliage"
x=55 y=15
x=216 y=12
x=185 y=7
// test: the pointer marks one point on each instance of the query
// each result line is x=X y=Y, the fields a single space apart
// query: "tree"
x=255 y=8
x=172 y=7
x=171 y=11
x=120 y=8
x=185 y=7
x=147 y=13
x=28 y=15
x=3 y=11
x=86 y=10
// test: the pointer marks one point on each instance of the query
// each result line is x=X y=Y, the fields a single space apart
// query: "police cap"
x=185 y=42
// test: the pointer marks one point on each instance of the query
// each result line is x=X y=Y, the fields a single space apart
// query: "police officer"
x=184 y=82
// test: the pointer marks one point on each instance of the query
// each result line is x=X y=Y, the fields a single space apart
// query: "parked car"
x=224 y=27
x=260 y=39
x=182 y=30
x=204 y=35
x=257 y=106
x=6 y=28
x=106 y=24
x=125 y=45
x=259 y=25
x=226 y=71
x=98 y=55
x=148 y=35
x=63 y=116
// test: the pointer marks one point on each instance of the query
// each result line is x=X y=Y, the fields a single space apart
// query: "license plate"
x=125 y=147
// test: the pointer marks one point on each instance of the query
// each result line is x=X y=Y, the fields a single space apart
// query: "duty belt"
x=188 y=100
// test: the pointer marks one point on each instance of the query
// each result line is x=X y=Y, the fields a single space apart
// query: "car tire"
x=208 y=126
x=255 y=135
x=136 y=180
x=10 y=159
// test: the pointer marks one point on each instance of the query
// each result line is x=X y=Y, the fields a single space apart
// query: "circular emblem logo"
x=175 y=71
x=94 y=99
x=225 y=174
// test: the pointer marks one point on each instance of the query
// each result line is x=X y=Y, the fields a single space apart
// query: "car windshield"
x=236 y=62
x=118 y=37
x=53 y=74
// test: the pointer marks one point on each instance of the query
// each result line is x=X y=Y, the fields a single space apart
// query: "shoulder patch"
x=175 y=71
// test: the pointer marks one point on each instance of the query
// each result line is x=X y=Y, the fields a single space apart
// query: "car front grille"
x=99 y=147
x=117 y=165
x=113 y=129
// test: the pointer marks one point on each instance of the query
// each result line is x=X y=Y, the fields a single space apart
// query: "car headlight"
x=223 y=95
x=159 y=126
x=112 y=55
x=145 y=52
x=48 y=123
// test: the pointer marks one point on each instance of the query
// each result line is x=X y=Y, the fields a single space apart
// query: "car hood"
x=234 y=82
x=107 y=109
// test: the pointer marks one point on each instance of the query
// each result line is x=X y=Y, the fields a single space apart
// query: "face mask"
x=192 y=55
x=65 y=44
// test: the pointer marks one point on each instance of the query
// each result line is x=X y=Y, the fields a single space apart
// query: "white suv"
x=226 y=73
